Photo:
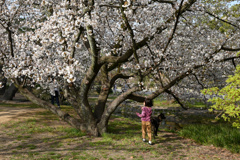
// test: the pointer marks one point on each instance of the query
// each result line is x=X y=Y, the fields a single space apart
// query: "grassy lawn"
x=219 y=135
x=43 y=136
x=20 y=105
x=166 y=103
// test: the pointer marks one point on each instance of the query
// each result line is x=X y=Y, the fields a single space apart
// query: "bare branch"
x=165 y=88
x=175 y=26
x=10 y=39
x=165 y=1
x=144 y=41
x=110 y=6
x=176 y=98
x=131 y=34
x=211 y=14
x=117 y=76
x=230 y=49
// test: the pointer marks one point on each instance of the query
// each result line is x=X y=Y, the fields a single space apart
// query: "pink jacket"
x=146 y=114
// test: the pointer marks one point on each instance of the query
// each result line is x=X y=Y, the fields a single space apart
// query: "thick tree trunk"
x=89 y=127
x=10 y=92
x=102 y=98
x=100 y=106
x=3 y=89
x=102 y=125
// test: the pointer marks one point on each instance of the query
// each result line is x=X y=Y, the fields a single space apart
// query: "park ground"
x=29 y=132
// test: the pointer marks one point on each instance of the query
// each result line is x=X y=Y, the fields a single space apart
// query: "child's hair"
x=148 y=102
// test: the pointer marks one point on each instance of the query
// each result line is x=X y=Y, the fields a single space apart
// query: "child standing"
x=145 y=118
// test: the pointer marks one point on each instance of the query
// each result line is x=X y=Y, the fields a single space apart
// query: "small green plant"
x=227 y=99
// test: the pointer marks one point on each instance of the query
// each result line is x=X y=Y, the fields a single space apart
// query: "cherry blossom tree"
x=79 y=41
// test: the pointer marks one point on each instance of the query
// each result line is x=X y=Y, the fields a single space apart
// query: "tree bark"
x=102 y=125
x=100 y=106
x=2 y=90
x=10 y=92
x=3 y=80
x=102 y=98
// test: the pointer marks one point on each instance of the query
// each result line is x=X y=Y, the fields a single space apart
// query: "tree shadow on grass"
x=124 y=136
x=165 y=143
x=166 y=137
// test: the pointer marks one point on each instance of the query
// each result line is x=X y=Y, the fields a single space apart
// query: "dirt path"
x=10 y=113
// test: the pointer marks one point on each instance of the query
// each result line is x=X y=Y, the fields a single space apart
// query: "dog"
x=155 y=122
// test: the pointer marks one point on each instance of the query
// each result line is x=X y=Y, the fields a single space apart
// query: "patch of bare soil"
x=14 y=144
x=10 y=113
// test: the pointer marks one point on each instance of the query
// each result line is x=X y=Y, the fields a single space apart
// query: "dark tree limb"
x=198 y=81
x=175 y=26
x=10 y=39
x=176 y=98
x=234 y=64
x=10 y=92
x=211 y=14
x=230 y=49
x=144 y=41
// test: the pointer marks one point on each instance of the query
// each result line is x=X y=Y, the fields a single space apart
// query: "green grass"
x=33 y=126
x=196 y=104
x=219 y=135
x=164 y=103
x=124 y=134
x=19 y=105
x=167 y=103
x=61 y=141
x=70 y=132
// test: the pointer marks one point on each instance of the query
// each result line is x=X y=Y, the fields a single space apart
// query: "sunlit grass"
x=124 y=134
x=219 y=135
x=164 y=103
x=30 y=105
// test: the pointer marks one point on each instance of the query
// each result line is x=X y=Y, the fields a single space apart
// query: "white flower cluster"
x=49 y=48
x=52 y=40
